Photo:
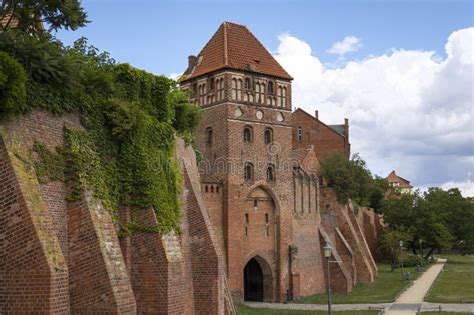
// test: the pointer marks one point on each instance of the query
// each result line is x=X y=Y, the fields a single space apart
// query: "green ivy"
x=49 y=166
x=125 y=154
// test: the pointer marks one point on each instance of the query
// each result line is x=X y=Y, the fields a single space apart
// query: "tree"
x=350 y=178
x=389 y=244
x=377 y=192
x=422 y=216
x=30 y=15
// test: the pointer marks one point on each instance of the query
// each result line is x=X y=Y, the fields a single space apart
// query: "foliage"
x=412 y=261
x=12 y=85
x=389 y=244
x=350 y=178
x=49 y=166
x=377 y=192
x=29 y=15
x=441 y=219
x=125 y=155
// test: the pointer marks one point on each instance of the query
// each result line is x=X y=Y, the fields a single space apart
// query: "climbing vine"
x=125 y=153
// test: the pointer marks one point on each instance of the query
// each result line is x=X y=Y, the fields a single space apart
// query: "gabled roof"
x=306 y=159
x=394 y=178
x=333 y=128
x=233 y=46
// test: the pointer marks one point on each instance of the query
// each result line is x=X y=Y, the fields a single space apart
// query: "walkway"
x=412 y=299
x=407 y=304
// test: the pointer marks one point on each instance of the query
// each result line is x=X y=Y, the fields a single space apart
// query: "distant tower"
x=246 y=143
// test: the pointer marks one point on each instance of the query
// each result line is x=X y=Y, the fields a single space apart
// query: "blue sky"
x=401 y=71
x=159 y=35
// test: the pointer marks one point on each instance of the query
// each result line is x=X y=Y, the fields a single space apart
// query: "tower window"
x=268 y=136
x=270 y=87
x=220 y=89
x=248 y=135
x=209 y=135
x=211 y=84
x=247 y=84
x=270 y=173
x=300 y=134
x=248 y=171
x=246 y=218
x=266 y=218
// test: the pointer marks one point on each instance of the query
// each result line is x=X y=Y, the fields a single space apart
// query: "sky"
x=401 y=71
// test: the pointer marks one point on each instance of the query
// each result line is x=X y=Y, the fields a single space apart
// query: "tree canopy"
x=441 y=219
x=30 y=16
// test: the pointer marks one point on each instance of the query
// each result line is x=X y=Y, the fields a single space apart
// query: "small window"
x=211 y=84
x=217 y=189
x=247 y=83
x=300 y=134
x=268 y=136
x=270 y=173
x=246 y=218
x=270 y=87
x=212 y=189
x=209 y=135
x=248 y=171
x=248 y=134
x=206 y=189
x=266 y=218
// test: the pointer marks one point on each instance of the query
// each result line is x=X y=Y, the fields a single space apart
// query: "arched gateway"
x=258 y=284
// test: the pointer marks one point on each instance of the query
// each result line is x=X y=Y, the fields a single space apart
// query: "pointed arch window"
x=248 y=84
x=300 y=134
x=270 y=87
x=268 y=136
x=220 y=89
x=270 y=173
x=248 y=134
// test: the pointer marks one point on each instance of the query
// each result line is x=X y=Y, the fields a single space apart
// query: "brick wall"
x=324 y=139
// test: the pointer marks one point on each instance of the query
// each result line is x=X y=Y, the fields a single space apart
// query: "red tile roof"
x=394 y=178
x=233 y=46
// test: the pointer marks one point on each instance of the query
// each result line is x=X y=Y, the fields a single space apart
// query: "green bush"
x=12 y=86
x=412 y=261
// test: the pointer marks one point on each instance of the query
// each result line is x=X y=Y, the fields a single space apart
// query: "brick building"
x=253 y=223
x=260 y=175
x=398 y=183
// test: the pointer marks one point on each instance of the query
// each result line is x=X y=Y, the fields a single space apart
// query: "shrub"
x=12 y=86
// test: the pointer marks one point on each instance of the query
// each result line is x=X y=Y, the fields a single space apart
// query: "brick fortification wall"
x=60 y=257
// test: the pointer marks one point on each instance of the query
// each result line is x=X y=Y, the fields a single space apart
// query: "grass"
x=444 y=313
x=383 y=290
x=246 y=310
x=456 y=283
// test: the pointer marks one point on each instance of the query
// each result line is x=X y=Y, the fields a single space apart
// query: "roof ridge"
x=226 y=55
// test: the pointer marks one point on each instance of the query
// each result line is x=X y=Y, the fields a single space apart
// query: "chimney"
x=346 y=129
x=192 y=61
x=316 y=114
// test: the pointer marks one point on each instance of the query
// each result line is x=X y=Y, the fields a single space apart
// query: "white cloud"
x=409 y=110
x=348 y=44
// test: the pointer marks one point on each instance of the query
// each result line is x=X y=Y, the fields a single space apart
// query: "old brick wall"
x=33 y=271
x=325 y=140
x=348 y=226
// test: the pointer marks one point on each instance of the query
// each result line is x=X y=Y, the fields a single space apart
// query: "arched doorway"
x=253 y=281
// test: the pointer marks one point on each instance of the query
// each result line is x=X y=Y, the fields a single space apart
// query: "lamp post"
x=327 y=253
x=401 y=257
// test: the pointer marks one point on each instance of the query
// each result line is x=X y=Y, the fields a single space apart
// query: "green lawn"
x=444 y=313
x=456 y=283
x=384 y=289
x=246 y=310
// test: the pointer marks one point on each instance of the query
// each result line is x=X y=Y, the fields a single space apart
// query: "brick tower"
x=246 y=170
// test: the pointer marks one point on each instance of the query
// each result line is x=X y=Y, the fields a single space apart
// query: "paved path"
x=407 y=304
x=412 y=299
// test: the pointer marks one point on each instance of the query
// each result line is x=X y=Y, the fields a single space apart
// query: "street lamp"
x=327 y=253
x=401 y=257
